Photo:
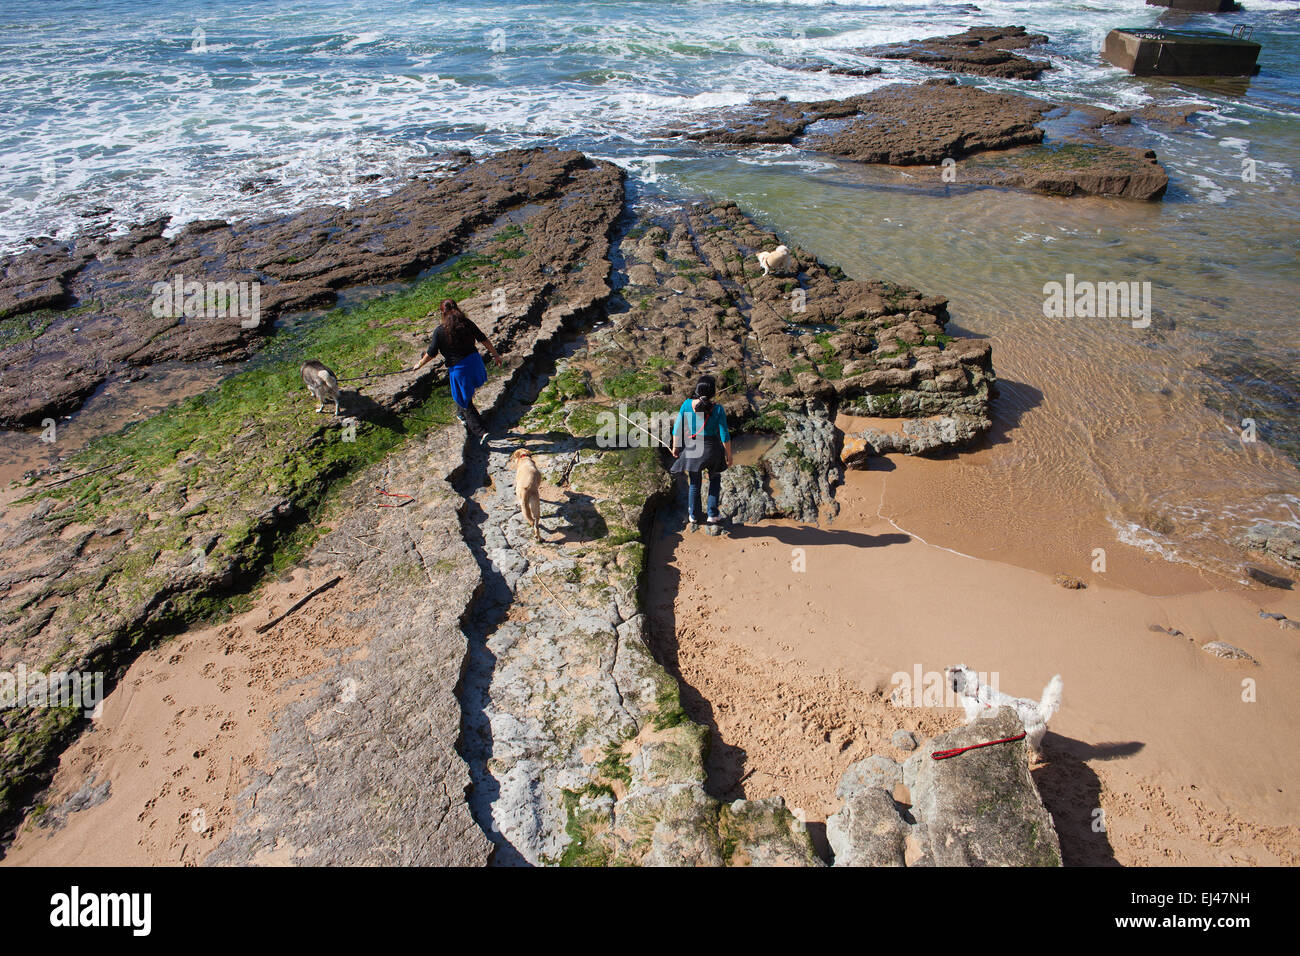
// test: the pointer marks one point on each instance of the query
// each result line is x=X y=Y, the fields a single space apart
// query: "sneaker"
x=692 y=519
x=715 y=519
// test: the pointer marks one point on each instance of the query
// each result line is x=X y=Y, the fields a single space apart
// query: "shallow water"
x=1143 y=424
x=121 y=110
x=750 y=447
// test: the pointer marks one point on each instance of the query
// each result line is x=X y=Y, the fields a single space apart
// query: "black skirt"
x=709 y=455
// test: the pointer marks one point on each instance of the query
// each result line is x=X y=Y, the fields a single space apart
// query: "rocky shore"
x=503 y=699
x=82 y=312
x=507 y=703
x=573 y=727
x=609 y=769
x=334 y=640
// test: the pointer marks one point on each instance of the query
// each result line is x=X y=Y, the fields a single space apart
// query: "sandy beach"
x=154 y=779
x=792 y=671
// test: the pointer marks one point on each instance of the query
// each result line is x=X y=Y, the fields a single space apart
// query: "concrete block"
x=1152 y=52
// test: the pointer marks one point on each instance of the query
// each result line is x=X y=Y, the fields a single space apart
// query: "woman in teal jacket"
x=701 y=441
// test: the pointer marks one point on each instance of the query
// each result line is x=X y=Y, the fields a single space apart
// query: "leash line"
x=945 y=754
x=362 y=378
x=650 y=433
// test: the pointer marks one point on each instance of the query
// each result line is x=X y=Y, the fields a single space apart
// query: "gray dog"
x=322 y=383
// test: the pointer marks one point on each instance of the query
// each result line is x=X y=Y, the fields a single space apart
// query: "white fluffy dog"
x=778 y=260
x=979 y=699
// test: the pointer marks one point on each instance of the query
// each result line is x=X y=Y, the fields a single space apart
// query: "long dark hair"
x=705 y=389
x=457 y=330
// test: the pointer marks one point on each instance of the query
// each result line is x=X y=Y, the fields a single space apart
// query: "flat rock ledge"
x=378 y=777
x=579 y=749
x=365 y=772
x=984 y=51
x=160 y=525
x=577 y=742
x=980 y=808
x=75 y=314
x=995 y=139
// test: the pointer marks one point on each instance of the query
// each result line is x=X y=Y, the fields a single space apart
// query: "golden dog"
x=528 y=483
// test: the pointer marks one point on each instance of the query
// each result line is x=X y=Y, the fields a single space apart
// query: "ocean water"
x=117 y=111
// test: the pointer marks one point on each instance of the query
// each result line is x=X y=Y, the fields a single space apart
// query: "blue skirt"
x=466 y=375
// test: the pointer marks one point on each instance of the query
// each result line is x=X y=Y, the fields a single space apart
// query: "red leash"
x=389 y=494
x=945 y=754
x=702 y=427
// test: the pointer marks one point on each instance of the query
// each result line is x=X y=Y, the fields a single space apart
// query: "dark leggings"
x=693 y=488
x=472 y=419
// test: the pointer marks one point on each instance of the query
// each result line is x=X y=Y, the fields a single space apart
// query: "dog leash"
x=389 y=494
x=361 y=378
x=660 y=440
x=945 y=754
x=640 y=428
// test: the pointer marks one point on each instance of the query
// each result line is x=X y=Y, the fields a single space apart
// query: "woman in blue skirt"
x=701 y=441
x=455 y=339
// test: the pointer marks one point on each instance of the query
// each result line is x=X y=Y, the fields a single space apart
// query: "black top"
x=438 y=345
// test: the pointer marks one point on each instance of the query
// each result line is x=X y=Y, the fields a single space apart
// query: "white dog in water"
x=978 y=699
x=778 y=259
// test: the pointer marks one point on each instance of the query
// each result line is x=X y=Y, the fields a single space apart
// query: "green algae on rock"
x=587 y=751
x=171 y=515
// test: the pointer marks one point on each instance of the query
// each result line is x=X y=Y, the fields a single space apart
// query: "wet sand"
x=792 y=669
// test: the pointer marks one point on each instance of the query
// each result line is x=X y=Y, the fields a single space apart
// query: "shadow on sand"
x=811 y=537
x=725 y=764
x=1071 y=791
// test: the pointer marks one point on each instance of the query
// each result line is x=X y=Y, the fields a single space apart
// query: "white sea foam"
x=128 y=111
x=1143 y=538
x=362 y=40
x=1211 y=190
